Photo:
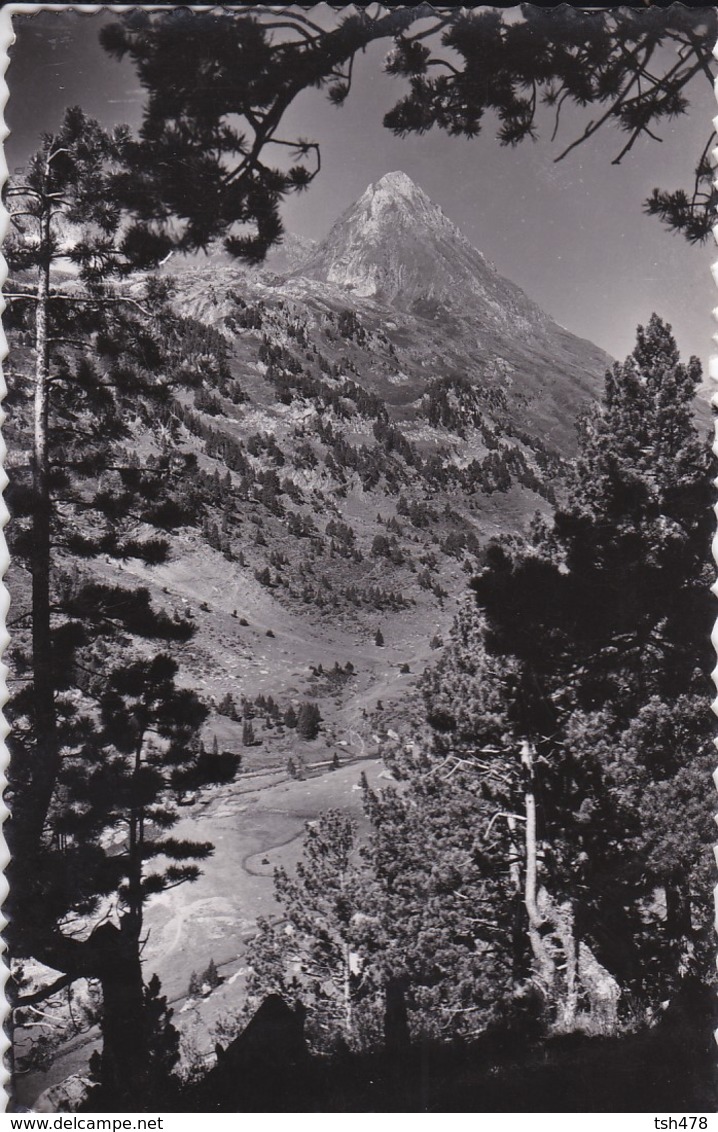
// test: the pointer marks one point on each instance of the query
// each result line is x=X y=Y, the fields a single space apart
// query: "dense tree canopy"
x=208 y=162
x=589 y=647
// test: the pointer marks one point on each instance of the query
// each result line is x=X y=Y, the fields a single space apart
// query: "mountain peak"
x=396 y=245
x=396 y=201
x=387 y=243
x=397 y=182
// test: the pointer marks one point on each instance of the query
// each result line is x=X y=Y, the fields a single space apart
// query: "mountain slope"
x=393 y=404
x=394 y=250
x=354 y=433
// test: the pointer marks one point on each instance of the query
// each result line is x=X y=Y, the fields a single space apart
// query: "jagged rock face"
x=406 y=271
x=287 y=256
x=396 y=245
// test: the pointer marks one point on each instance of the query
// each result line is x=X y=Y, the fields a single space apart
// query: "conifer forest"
x=361 y=748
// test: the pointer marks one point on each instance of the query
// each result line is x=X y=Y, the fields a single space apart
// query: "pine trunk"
x=136 y=839
x=111 y=955
x=397 y=1041
x=124 y=1062
x=45 y=763
x=545 y=966
x=347 y=991
x=678 y=913
x=564 y=929
x=518 y=919
x=117 y=963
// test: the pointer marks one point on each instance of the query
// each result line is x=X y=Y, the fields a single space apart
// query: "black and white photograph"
x=358 y=447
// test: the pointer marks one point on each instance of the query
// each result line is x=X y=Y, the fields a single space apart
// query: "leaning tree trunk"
x=45 y=762
x=545 y=966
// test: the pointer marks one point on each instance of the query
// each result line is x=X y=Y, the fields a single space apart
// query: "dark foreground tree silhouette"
x=219 y=86
x=161 y=1048
x=577 y=691
x=91 y=364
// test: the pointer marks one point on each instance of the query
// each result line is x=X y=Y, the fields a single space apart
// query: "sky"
x=571 y=234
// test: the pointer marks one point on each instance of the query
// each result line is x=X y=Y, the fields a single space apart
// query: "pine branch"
x=44 y=992
x=23 y=190
x=432 y=31
x=503 y=814
x=74 y=342
x=113 y=300
x=303 y=32
x=444 y=63
x=594 y=126
x=704 y=57
x=18 y=620
x=557 y=119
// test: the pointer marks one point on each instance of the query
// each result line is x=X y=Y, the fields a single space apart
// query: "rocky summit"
x=394 y=244
x=395 y=248
x=396 y=261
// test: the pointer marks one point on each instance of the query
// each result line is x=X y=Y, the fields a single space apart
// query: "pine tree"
x=158 y=1088
x=248 y=738
x=317 y=953
x=308 y=720
x=571 y=688
x=211 y=976
x=379 y=639
x=640 y=515
x=68 y=163
x=416 y=911
x=643 y=515
x=226 y=706
x=445 y=901
x=102 y=359
x=147 y=728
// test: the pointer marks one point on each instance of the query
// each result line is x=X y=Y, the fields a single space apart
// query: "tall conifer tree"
x=578 y=690
x=103 y=359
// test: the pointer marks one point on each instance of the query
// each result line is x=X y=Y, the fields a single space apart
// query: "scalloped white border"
x=7 y=38
x=713 y=374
